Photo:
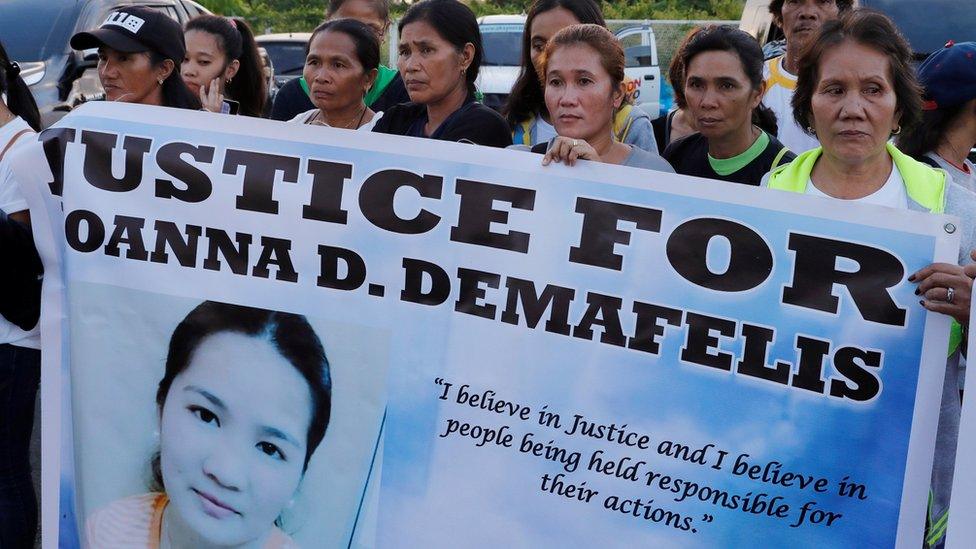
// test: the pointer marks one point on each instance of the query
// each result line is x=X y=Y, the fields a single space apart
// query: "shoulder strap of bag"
x=926 y=160
x=13 y=140
x=779 y=156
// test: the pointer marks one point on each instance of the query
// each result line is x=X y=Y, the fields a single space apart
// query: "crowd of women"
x=849 y=117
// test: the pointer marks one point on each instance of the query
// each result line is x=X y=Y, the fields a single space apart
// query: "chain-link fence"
x=667 y=33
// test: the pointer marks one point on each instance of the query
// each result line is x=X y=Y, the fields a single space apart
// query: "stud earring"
x=810 y=129
x=160 y=80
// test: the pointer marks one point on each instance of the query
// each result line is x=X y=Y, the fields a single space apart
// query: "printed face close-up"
x=233 y=434
x=204 y=60
x=334 y=74
x=365 y=12
x=429 y=64
x=802 y=19
x=579 y=93
x=854 y=103
x=545 y=25
x=718 y=93
x=126 y=77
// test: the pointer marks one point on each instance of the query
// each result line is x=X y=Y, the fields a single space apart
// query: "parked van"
x=287 y=53
x=502 y=39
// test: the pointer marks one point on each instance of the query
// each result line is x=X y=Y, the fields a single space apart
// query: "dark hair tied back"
x=928 y=134
x=367 y=45
x=526 y=98
x=20 y=101
x=455 y=23
x=175 y=92
x=745 y=47
x=235 y=38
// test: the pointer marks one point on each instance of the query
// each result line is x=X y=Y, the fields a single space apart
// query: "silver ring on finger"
x=575 y=142
x=950 y=293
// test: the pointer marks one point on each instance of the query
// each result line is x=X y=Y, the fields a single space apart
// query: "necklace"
x=358 y=123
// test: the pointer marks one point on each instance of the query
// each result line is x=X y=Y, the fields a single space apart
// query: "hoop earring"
x=896 y=131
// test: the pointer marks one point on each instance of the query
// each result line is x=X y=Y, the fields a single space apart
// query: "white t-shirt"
x=11 y=201
x=307 y=116
x=965 y=178
x=779 y=92
x=892 y=194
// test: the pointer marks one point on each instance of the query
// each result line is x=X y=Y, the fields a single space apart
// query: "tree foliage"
x=303 y=15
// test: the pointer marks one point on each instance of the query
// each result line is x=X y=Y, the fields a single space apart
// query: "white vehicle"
x=287 y=53
x=501 y=36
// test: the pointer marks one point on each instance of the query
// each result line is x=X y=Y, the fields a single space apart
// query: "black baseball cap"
x=136 y=29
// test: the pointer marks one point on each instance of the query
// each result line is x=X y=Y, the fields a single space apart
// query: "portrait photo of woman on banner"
x=242 y=408
x=243 y=405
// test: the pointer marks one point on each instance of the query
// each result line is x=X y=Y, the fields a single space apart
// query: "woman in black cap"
x=140 y=51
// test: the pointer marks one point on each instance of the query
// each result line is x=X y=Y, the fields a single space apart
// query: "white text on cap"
x=124 y=20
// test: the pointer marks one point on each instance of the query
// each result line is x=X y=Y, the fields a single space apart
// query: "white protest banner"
x=546 y=356
x=960 y=532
